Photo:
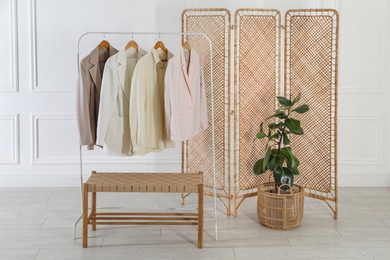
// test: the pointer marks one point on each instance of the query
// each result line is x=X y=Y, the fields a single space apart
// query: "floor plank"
x=36 y=224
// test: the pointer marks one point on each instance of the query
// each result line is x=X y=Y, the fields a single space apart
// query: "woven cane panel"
x=216 y=24
x=257 y=69
x=311 y=68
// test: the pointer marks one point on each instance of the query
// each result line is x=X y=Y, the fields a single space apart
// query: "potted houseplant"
x=280 y=204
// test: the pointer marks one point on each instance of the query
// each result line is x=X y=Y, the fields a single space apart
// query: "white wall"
x=38 y=133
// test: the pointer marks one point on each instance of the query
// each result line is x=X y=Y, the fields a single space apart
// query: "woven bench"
x=142 y=182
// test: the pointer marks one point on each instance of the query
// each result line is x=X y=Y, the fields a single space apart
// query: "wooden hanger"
x=187 y=46
x=131 y=44
x=104 y=44
x=160 y=45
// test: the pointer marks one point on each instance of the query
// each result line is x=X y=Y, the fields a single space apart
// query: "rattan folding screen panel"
x=310 y=59
x=311 y=55
x=257 y=83
x=197 y=152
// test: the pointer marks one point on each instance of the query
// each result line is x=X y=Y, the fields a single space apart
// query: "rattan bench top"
x=144 y=182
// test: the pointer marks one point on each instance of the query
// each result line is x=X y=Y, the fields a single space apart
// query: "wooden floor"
x=36 y=224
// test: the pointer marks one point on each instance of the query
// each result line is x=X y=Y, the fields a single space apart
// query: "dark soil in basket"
x=281 y=191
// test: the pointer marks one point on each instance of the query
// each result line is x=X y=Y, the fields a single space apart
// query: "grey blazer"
x=88 y=93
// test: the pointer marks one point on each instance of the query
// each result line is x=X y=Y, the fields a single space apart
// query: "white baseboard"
x=370 y=180
x=40 y=181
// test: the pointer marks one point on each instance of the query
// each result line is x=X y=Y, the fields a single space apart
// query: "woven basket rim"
x=261 y=189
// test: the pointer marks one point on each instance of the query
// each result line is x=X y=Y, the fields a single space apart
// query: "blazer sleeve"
x=203 y=101
x=83 y=104
x=168 y=100
x=137 y=108
x=107 y=101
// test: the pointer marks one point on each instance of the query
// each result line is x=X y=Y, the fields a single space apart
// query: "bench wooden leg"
x=200 y=216
x=85 y=216
x=94 y=210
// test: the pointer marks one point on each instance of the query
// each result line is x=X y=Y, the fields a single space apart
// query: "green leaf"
x=295 y=163
x=292 y=161
x=258 y=167
x=274 y=136
x=294 y=171
x=260 y=135
x=292 y=124
x=282 y=158
x=284 y=101
x=286 y=140
x=267 y=157
x=301 y=109
x=298 y=132
x=286 y=151
x=279 y=114
x=297 y=98
x=273 y=162
x=276 y=126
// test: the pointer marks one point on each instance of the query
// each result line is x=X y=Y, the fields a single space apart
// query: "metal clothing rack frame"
x=207 y=38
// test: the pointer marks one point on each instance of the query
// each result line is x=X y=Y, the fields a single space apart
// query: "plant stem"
x=280 y=139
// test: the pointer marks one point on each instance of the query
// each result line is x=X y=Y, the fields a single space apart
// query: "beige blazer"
x=185 y=97
x=113 y=130
x=147 y=104
x=88 y=93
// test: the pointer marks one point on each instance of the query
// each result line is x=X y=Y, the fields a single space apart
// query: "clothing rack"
x=204 y=36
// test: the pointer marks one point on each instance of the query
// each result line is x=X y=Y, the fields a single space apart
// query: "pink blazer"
x=185 y=97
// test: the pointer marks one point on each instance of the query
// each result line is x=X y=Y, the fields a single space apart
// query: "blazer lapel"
x=183 y=66
x=121 y=70
x=94 y=70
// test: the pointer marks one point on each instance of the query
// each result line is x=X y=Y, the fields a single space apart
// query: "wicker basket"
x=280 y=211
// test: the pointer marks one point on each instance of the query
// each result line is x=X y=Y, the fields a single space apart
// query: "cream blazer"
x=185 y=97
x=88 y=93
x=147 y=104
x=113 y=130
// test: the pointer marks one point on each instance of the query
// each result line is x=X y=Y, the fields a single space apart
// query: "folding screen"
x=310 y=59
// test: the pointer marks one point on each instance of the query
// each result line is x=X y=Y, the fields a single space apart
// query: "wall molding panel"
x=377 y=87
x=14 y=157
x=379 y=141
x=35 y=152
x=14 y=46
x=35 y=87
x=38 y=159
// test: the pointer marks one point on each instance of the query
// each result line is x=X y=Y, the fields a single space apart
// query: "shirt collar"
x=157 y=58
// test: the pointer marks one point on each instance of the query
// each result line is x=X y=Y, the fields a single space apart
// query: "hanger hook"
x=104 y=35
x=159 y=35
x=132 y=35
